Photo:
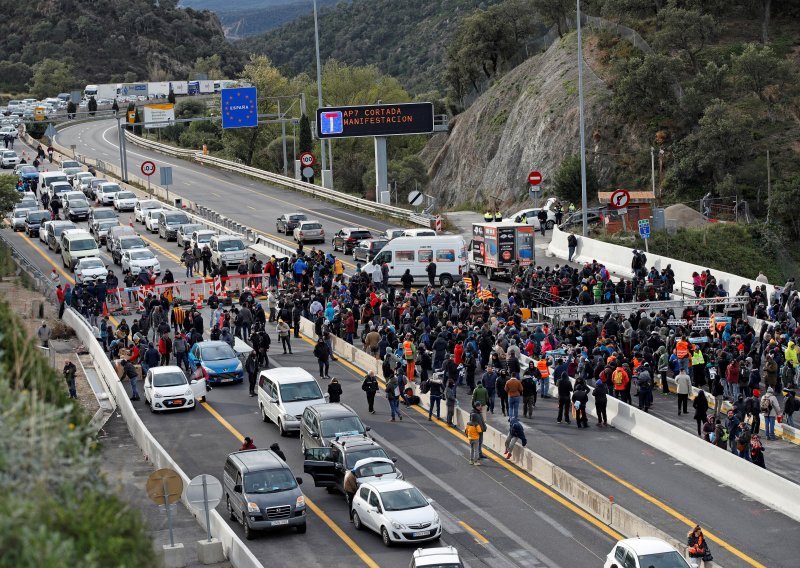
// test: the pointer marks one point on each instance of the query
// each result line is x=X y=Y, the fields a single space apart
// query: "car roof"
x=213 y=344
x=310 y=221
x=435 y=556
x=647 y=545
x=286 y=375
x=356 y=441
x=384 y=486
x=226 y=237
x=166 y=369
x=295 y=213
x=329 y=409
x=251 y=460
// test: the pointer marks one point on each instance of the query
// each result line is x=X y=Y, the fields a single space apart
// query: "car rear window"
x=297 y=217
x=361 y=234
x=311 y=226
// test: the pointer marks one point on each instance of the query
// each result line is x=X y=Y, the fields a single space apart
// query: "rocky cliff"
x=527 y=120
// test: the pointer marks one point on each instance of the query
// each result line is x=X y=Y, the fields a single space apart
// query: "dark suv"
x=288 y=221
x=347 y=238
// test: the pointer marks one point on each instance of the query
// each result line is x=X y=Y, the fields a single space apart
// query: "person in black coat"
x=580 y=398
x=407 y=280
x=322 y=353
x=564 y=394
x=277 y=449
x=700 y=406
x=334 y=390
x=370 y=386
x=600 y=394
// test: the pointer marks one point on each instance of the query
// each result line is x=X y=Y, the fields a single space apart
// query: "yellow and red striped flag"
x=468 y=282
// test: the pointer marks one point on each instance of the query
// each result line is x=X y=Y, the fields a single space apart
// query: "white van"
x=229 y=249
x=75 y=244
x=283 y=395
x=419 y=233
x=415 y=253
x=46 y=178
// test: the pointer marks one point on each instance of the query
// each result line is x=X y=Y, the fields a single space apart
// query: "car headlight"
x=239 y=367
x=253 y=508
x=435 y=518
x=398 y=526
x=157 y=395
x=188 y=392
x=287 y=417
x=300 y=502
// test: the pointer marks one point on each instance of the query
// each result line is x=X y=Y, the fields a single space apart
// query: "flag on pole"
x=468 y=282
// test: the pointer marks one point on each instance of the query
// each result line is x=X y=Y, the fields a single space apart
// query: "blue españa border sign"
x=239 y=107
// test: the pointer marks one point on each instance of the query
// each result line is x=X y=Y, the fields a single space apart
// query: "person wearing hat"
x=69 y=376
x=600 y=394
x=44 y=335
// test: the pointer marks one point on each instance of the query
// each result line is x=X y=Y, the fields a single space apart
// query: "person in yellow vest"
x=544 y=377
x=487 y=217
x=410 y=355
x=498 y=217
x=338 y=268
x=698 y=368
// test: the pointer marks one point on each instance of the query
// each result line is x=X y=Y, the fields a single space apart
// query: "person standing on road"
x=572 y=245
x=322 y=353
x=69 y=376
x=370 y=387
x=187 y=258
x=477 y=415
x=251 y=366
x=770 y=408
x=564 y=387
x=600 y=394
x=410 y=356
x=684 y=387
x=181 y=349
x=283 y=335
x=205 y=257
x=350 y=488
x=700 y=405
x=392 y=396
x=44 y=335
x=334 y=390
x=450 y=400
x=542 y=217
x=697 y=547
x=580 y=398
x=514 y=391
x=435 y=391
x=130 y=371
x=473 y=432
x=407 y=280
x=431 y=271
x=528 y=393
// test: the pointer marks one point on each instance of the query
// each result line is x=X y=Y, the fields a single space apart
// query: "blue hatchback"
x=218 y=361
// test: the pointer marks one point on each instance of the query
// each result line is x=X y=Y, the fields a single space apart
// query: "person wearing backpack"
x=770 y=409
x=620 y=380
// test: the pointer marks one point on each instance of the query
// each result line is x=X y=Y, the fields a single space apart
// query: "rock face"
x=527 y=120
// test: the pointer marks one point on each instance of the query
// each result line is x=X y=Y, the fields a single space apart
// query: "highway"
x=523 y=526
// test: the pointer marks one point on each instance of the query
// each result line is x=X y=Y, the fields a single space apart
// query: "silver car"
x=18 y=218
x=309 y=231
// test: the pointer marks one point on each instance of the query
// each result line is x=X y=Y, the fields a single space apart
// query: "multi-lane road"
x=494 y=515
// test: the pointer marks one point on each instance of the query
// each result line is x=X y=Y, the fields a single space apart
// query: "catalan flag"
x=485 y=294
x=468 y=282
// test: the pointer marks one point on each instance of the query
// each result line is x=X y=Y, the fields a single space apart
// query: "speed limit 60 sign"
x=307 y=159
x=148 y=168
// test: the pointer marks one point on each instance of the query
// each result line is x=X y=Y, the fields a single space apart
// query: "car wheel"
x=301 y=529
x=549 y=225
x=248 y=532
x=385 y=537
x=264 y=416
x=446 y=280
x=357 y=521
x=231 y=514
x=281 y=430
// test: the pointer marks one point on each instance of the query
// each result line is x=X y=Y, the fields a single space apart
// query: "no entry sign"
x=535 y=178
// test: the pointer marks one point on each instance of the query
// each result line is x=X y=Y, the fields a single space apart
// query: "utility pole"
x=319 y=90
x=283 y=136
x=769 y=188
x=653 y=168
x=119 y=140
x=584 y=200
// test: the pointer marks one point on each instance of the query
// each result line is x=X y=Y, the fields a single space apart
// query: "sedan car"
x=34 y=221
x=8 y=158
x=151 y=219
x=102 y=227
x=94 y=187
x=97 y=214
x=368 y=249
x=72 y=173
x=345 y=239
x=18 y=217
x=106 y=191
x=644 y=552
x=124 y=201
x=9 y=130
x=218 y=362
x=184 y=234
x=309 y=231
x=202 y=237
x=593 y=217
x=437 y=557
x=142 y=206
x=84 y=184
x=76 y=209
x=288 y=221
x=80 y=176
x=397 y=511
x=166 y=388
x=137 y=259
x=90 y=269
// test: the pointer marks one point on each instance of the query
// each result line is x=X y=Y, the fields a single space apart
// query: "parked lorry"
x=201 y=87
x=158 y=89
x=101 y=91
x=496 y=247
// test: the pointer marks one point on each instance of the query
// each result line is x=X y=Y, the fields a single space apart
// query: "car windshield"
x=20 y=214
x=60 y=229
x=295 y=392
x=403 y=499
x=78 y=203
x=342 y=426
x=52 y=179
x=225 y=246
x=178 y=219
x=141 y=254
x=106 y=224
x=92 y=263
x=38 y=216
x=189 y=229
x=28 y=170
x=103 y=214
x=297 y=217
x=149 y=205
x=311 y=227
x=70 y=164
x=217 y=353
x=111 y=188
x=669 y=559
x=360 y=235
x=125 y=195
x=374 y=469
x=378 y=245
x=169 y=380
x=133 y=243
x=83 y=244
x=269 y=481
x=71 y=170
x=204 y=237
x=374 y=452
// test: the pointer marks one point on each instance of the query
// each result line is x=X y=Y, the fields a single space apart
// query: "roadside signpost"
x=239 y=107
x=148 y=168
x=164 y=487
x=644 y=232
x=620 y=199
x=307 y=159
x=535 y=178
x=166 y=178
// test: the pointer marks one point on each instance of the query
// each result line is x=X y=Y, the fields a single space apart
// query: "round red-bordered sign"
x=148 y=168
x=307 y=159
x=619 y=199
x=535 y=178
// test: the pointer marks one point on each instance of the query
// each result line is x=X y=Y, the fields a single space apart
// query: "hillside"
x=406 y=40
x=106 y=41
x=250 y=17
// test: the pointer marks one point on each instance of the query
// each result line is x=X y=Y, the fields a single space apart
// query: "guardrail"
x=310 y=188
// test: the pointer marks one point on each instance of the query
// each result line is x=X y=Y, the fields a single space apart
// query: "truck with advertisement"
x=203 y=87
x=180 y=87
x=158 y=89
x=496 y=248
x=133 y=89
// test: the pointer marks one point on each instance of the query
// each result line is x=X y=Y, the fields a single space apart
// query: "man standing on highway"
x=322 y=353
x=514 y=390
x=370 y=387
x=431 y=270
x=564 y=397
x=572 y=244
x=410 y=355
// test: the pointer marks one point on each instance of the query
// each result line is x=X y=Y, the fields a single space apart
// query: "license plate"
x=279 y=523
x=420 y=533
x=226 y=380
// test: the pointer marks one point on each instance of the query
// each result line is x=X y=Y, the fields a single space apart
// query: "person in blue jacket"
x=516 y=433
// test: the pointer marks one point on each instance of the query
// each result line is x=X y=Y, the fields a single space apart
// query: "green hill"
x=405 y=39
x=104 y=41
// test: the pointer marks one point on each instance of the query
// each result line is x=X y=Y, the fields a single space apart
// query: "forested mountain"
x=406 y=39
x=74 y=42
x=250 y=17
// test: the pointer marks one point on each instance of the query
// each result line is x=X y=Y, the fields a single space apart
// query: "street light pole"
x=319 y=83
x=584 y=203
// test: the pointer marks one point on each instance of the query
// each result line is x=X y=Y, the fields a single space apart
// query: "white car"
x=439 y=557
x=397 y=511
x=90 y=269
x=76 y=181
x=9 y=131
x=142 y=206
x=166 y=388
x=309 y=231
x=644 y=552
x=136 y=259
x=9 y=159
x=202 y=237
x=151 y=219
x=106 y=192
x=84 y=184
x=125 y=201
x=43 y=231
x=18 y=217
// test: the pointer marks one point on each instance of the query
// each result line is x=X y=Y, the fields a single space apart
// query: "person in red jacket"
x=620 y=380
x=458 y=353
x=247 y=444
x=61 y=298
x=349 y=327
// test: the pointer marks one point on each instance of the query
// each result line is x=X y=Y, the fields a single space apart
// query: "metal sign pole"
x=205 y=506
x=149 y=191
x=169 y=514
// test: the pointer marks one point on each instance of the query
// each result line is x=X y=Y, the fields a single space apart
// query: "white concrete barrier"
x=235 y=550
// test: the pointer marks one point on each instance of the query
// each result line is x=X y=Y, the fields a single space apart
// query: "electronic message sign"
x=375 y=120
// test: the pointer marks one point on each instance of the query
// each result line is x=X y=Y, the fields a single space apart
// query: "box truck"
x=496 y=247
x=158 y=89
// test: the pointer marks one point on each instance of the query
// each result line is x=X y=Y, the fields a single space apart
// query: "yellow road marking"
x=504 y=464
x=49 y=260
x=161 y=249
x=366 y=558
x=478 y=536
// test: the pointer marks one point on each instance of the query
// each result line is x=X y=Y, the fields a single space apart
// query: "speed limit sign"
x=307 y=159
x=148 y=168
